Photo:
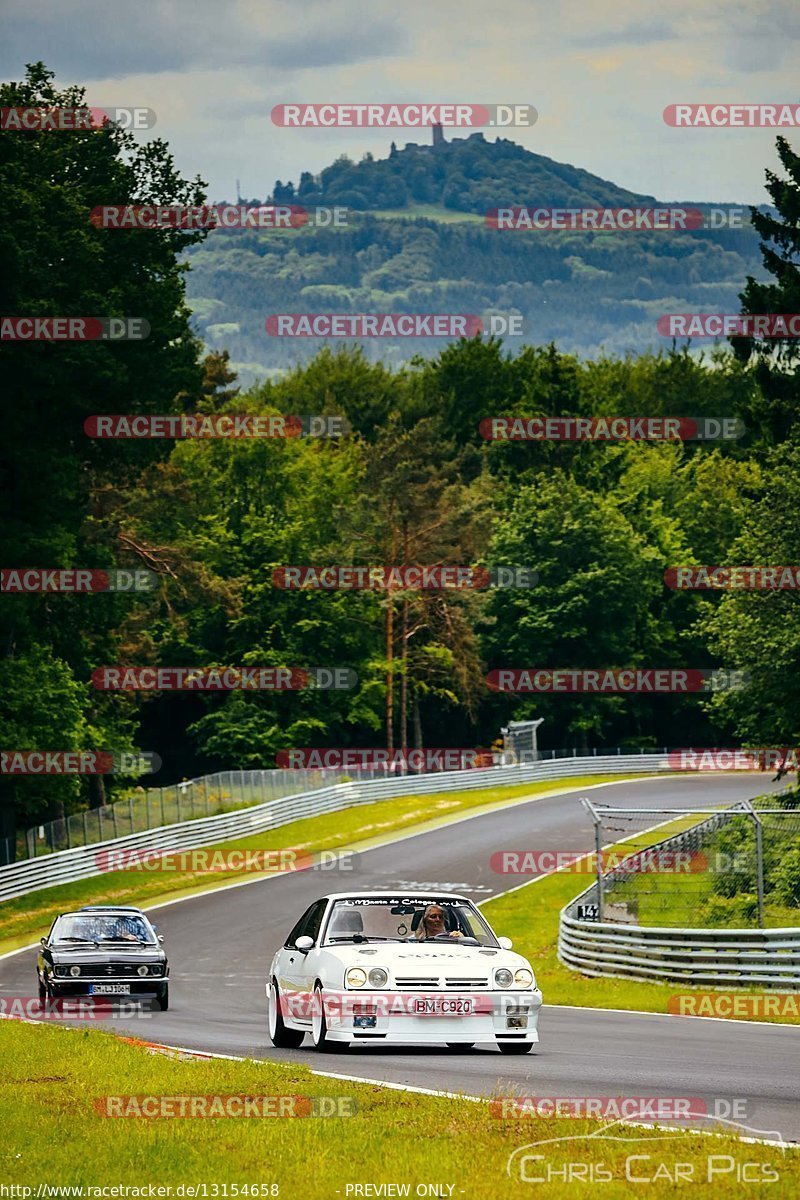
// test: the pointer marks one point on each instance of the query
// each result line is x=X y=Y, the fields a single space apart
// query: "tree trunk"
x=417 y=722
x=97 y=791
x=8 y=823
x=404 y=682
x=389 y=674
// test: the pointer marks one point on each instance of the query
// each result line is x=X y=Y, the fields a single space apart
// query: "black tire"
x=455 y=1046
x=42 y=990
x=515 y=1047
x=162 y=997
x=319 y=1027
x=279 y=1035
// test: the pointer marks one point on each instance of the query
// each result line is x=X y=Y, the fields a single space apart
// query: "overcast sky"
x=599 y=74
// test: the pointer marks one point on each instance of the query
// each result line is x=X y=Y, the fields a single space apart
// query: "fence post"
x=163 y=818
x=760 y=871
x=205 y=792
x=147 y=807
x=130 y=811
x=178 y=800
x=85 y=828
x=114 y=819
x=590 y=808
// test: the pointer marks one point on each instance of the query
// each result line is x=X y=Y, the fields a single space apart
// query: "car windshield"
x=105 y=927
x=406 y=919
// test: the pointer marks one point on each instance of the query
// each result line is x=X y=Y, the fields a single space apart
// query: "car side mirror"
x=304 y=944
x=43 y=941
x=505 y=943
x=161 y=938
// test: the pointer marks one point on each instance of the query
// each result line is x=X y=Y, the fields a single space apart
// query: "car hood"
x=407 y=957
x=93 y=954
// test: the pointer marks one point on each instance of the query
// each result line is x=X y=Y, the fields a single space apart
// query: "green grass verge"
x=688 y=899
x=53 y=1133
x=431 y=212
x=530 y=916
x=360 y=826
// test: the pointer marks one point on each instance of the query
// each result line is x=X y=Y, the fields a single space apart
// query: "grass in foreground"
x=52 y=1133
x=530 y=916
x=31 y=915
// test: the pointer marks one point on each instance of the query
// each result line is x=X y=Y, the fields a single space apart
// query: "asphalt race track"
x=220 y=946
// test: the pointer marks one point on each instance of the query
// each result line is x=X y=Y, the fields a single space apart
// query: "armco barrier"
x=66 y=866
x=711 y=957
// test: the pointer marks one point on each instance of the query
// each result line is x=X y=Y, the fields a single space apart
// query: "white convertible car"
x=377 y=967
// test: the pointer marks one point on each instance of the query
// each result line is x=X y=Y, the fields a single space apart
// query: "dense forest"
x=413 y=482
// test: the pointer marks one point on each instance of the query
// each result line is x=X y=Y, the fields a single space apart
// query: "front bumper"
x=149 y=986
x=389 y=1017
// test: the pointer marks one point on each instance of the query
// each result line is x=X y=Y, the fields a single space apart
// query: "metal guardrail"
x=665 y=954
x=82 y=862
x=151 y=807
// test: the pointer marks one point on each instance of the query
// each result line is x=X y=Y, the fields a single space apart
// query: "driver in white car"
x=433 y=924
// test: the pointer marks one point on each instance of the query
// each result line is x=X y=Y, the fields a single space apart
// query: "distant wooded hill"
x=416 y=241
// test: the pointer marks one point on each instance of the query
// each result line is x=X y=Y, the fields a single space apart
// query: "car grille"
x=465 y=981
x=435 y=981
x=100 y=969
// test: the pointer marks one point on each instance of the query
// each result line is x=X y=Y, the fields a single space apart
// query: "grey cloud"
x=174 y=37
x=636 y=34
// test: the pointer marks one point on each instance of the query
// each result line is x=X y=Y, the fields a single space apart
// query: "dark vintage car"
x=103 y=951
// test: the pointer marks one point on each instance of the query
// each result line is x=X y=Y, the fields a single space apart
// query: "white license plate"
x=443 y=1006
x=109 y=989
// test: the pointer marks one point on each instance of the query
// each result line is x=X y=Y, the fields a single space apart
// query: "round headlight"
x=155 y=969
x=523 y=977
x=142 y=970
x=74 y=971
x=60 y=970
x=378 y=976
x=503 y=977
x=355 y=977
